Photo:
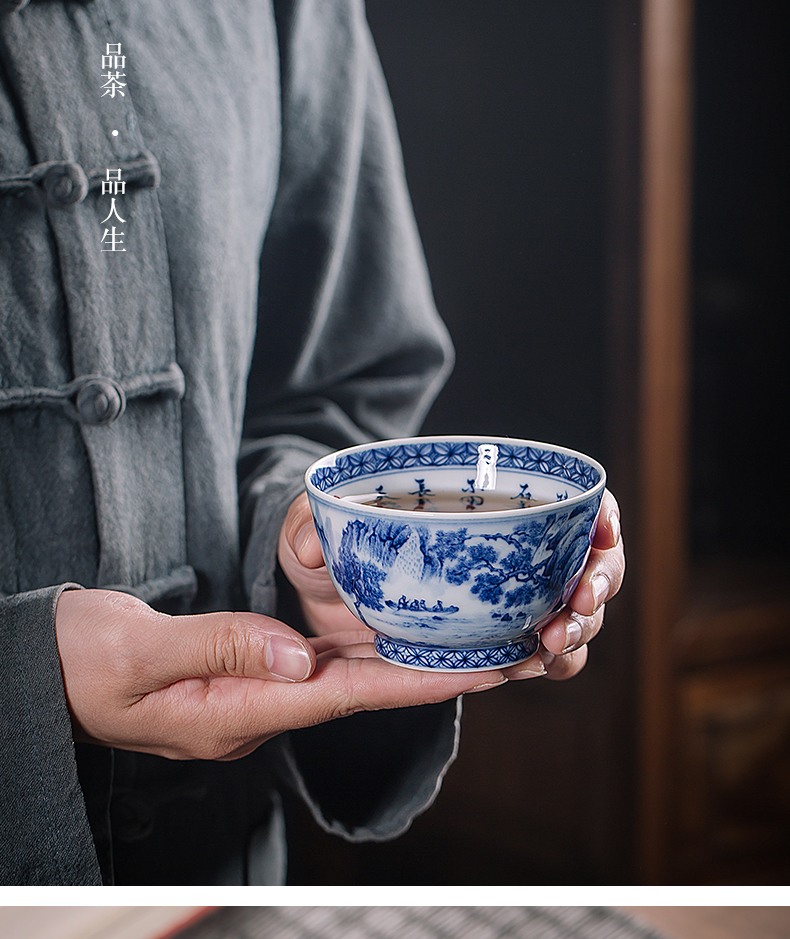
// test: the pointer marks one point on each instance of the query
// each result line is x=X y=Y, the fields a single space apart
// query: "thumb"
x=300 y=556
x=244 y=645
x=299 y=534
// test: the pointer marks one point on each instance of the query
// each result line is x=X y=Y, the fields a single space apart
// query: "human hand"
x=563 y=649
x=563 y=641
x=216 y=686
x=302 y=561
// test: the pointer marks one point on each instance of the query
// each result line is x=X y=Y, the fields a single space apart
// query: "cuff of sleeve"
x=266 y=497
x=368 y=776
x=45 y=835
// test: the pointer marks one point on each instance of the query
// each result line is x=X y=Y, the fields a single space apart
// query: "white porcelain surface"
x=455 y=590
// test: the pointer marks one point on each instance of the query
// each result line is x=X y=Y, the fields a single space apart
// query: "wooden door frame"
x=664 y=405
x=649 y=373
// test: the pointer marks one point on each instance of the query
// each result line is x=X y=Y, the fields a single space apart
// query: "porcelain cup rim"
x=329 y=460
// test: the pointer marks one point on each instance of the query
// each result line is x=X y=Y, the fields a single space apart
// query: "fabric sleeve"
x=366 y=777
x=349 y=345
x=45 y=837
x=349 y=348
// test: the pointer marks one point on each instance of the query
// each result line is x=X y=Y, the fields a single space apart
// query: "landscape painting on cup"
x=511 y=573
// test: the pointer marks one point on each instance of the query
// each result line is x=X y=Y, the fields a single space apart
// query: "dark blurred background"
x=622 y=291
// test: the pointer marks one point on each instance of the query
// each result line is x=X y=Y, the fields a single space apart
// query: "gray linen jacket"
x=267 y=299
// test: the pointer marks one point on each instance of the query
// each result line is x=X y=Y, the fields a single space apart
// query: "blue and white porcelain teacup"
x=455 y=550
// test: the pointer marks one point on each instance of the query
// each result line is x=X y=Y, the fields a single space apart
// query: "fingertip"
x=301 y=538
x=307 y=547
x=614 y=527
x=564 y=638
x=546 y=657
x=600 y=587
x=607 y=532
x=590 y=595
x=533 y=667
x=488 y=680
x=562 y=667
x=553 y=635
x=289 y=660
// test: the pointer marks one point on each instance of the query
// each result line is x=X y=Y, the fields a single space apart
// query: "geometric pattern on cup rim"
x=453 y=453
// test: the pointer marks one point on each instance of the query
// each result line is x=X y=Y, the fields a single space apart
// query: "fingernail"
x=302 y=537
x=614 y=522
x=532 y=668
x=573 y=633
x=600 y=588
x=485 y=685
x=288 y=660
